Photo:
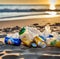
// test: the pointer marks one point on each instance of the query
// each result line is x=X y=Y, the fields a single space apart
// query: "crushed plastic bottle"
x=34 y=31
x=12 y=39
x=15 y=35
x=47 y=31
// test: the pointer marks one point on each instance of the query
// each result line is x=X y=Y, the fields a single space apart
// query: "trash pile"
x=32 y=37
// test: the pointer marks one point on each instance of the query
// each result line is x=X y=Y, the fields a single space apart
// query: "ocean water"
x=12 y=11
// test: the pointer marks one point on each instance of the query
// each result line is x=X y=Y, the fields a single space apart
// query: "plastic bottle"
x=50 y=40
x=58 y=41
x=40 y=42
x=24 y=33
x=25 y=36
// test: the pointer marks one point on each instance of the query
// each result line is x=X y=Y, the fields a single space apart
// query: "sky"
x=27 y=2
x=23 y=2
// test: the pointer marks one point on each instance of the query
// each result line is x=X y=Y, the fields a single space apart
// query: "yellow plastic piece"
x=26 y=41
x=57 y=44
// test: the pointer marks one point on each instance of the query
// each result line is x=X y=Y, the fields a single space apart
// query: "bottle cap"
x=22 y=31
x=53 y=43
x=34 y=45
